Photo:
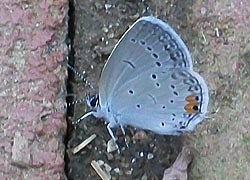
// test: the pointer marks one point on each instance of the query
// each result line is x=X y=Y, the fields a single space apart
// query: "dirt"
x=217 y=35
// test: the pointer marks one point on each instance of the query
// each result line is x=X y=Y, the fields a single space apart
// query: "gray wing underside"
x=149 y=43
x=155 y=100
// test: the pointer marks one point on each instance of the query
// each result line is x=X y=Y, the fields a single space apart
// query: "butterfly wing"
x=149 y=43
x=164 y=100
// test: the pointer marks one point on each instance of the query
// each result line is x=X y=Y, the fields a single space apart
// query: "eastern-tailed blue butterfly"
x=148 y=82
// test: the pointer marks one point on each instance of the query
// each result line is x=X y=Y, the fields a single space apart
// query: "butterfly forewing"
x=149 y=43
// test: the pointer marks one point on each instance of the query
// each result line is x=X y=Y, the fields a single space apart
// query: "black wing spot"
x=154 y=76
x=173 y=118
x=166 y=47
x=172 y=86
x=195 y=108
x=138 y=106
x=189 y=81
x=184 y=74
x=179 y=54
x=131 y=92
x=142 y=42
x=172 y=101
x=149 y=48
x=133 y=40
x=158 y=63
x=155 y=55
x=129 y=63
x=157 y=84
x=176 y=93
x=163 y=107
x=194 y=88
x=174 y=76
x=153 y=98
x=162 y=124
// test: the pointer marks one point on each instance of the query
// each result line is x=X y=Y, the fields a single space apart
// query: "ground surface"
x=217 y=35
x=32 y=76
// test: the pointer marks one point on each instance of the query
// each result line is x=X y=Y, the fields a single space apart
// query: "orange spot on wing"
x=192 y=104
x=190 y=98
x=190 y=108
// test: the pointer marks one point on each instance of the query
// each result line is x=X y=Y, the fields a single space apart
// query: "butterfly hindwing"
x=162 y=101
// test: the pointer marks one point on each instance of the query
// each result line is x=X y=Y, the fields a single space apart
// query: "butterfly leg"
x=109 y=127
x=83 y=117
x=124 y=134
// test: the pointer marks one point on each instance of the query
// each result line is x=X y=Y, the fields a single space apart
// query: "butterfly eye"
x=93 y=101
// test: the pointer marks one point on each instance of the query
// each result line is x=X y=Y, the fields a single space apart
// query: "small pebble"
x=117 y=170
x=100 y=162
x=111 y=146
x=150 y=156
x=129 y=172
x=107 y=167
x=144 y=177
x=141 y=154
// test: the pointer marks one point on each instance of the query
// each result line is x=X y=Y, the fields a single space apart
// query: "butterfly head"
x=92 y=101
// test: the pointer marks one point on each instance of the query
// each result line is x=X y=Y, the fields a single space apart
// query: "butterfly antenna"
x=83 y=78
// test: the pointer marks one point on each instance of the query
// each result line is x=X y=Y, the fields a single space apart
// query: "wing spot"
x=149 y=48
x=129 y=63
x=172 y=86
x=176 y=93
x=153 y=98
x=194 y=88
x=172 y=101
x=179 y=54
x=155 y=55
x=162 y=124
x=189 y=81
x=138 y=106
x=131 y=92
x=142 y=42
x=158 y=63
x=184 y=74
x=163 y=107
x=133 y=40
x=195 y=107
x=154 y=76
x=157 y=84
x=174 y=76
